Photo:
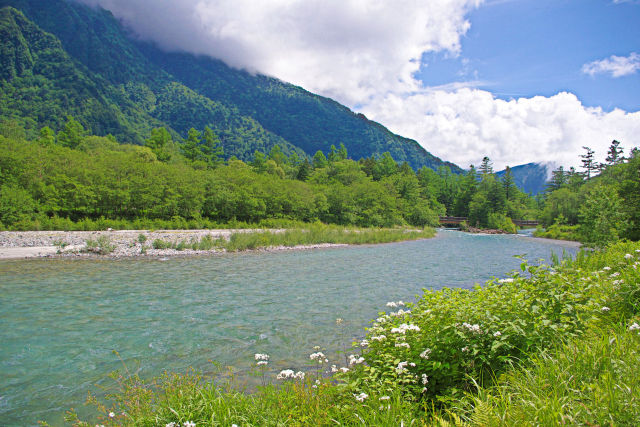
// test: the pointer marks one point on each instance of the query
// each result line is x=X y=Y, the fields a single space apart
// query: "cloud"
x=617 y=66
x=467 y=124
x=350 y=50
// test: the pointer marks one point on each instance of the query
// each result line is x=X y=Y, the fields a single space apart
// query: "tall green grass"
x=311 y=234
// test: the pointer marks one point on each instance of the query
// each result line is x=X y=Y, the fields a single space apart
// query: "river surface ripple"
x=62 y=319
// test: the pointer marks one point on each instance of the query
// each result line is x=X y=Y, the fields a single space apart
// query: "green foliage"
x=602 y=220
x=16 y=205
x=102 y=245
x=559 y=231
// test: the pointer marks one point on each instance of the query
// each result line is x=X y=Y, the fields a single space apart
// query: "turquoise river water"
x=61 y=319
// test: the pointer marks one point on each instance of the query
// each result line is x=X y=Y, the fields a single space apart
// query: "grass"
x=312 y=234
x=567 y=352
x=588 y=381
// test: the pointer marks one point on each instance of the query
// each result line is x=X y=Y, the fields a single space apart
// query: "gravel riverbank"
x=126 y=243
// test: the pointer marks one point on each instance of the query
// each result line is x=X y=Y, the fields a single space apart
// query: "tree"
x=259 y=162
x=385 y=166
x=602 y=219
x=71 y=134
x=614 y=155
x=342 y=152
x=319 y=160
x=588 y=163
x=158 y=141
x=486 y=167
x=509 y=185
x=277 y=155
x=47 y=137
x=304 y=170
x=210 y=147
x=190 y=149
x=559 y=179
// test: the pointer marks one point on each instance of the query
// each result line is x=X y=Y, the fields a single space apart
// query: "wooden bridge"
x=454 y=220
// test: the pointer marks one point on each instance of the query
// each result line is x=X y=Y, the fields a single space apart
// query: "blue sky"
x=517 y=80
x=524 y=48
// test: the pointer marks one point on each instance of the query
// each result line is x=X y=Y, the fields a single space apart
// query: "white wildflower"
x=379 y=338
x=425 y=354
x=261 y=356
x=400 y=303
x=424 y=389
x=475 y=328
x=465 y=349
x=339 y=321
x=399 y=313
x=403 y=345
x=354 y=360
x=262 y=363
x=334 y=368
x=605 y=309
x=425 y=379
x=344 y=370
x=189 y=424
x=364 y=343
x=392 y=304
x=497 y=334
x=628 y=256
x=616 y=274
x=508 y=280
x=402 y=329
x=171 y=424
x=385 y=397
x=319 y=357
x=606 y=268
x=634 y=327
x=285 y=374
x=361 y=397
x=402 y=367
x=112 y=414
x=299 y=375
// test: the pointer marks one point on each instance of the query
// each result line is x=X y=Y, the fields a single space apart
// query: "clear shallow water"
x=61 y=320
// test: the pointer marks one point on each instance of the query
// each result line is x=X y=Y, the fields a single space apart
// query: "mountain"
x=60 y=57
x=531 y=178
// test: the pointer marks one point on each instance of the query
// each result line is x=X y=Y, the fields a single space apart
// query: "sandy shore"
x=34 y=244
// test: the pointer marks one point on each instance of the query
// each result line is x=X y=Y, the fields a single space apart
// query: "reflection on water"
x=62 y=319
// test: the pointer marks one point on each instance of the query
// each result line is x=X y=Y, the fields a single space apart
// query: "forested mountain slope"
x=124 y=87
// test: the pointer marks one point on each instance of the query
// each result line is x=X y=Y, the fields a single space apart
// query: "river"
x=61 y=319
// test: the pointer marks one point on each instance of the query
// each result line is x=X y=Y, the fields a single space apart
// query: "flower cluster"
x=475 y=328
x=402 y=329
x=395 y=304
x=290 y=374
x=318 y=357
x=262 y=359
x=355 y=360
x=361 y=397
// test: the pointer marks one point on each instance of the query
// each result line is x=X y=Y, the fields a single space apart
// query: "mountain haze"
x=60 y=57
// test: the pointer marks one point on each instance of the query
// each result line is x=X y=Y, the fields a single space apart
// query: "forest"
x=70 y=179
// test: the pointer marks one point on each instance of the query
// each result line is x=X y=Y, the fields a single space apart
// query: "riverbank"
x=154 y=243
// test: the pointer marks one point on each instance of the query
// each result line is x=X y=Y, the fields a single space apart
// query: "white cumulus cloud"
x=467 y=124
x=350 y=50
x=617 y=66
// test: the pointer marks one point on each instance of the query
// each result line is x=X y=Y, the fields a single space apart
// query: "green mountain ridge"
x=127 y=87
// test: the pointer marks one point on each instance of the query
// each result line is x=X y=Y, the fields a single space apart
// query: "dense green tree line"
x=71 y=174
x=600 y=204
